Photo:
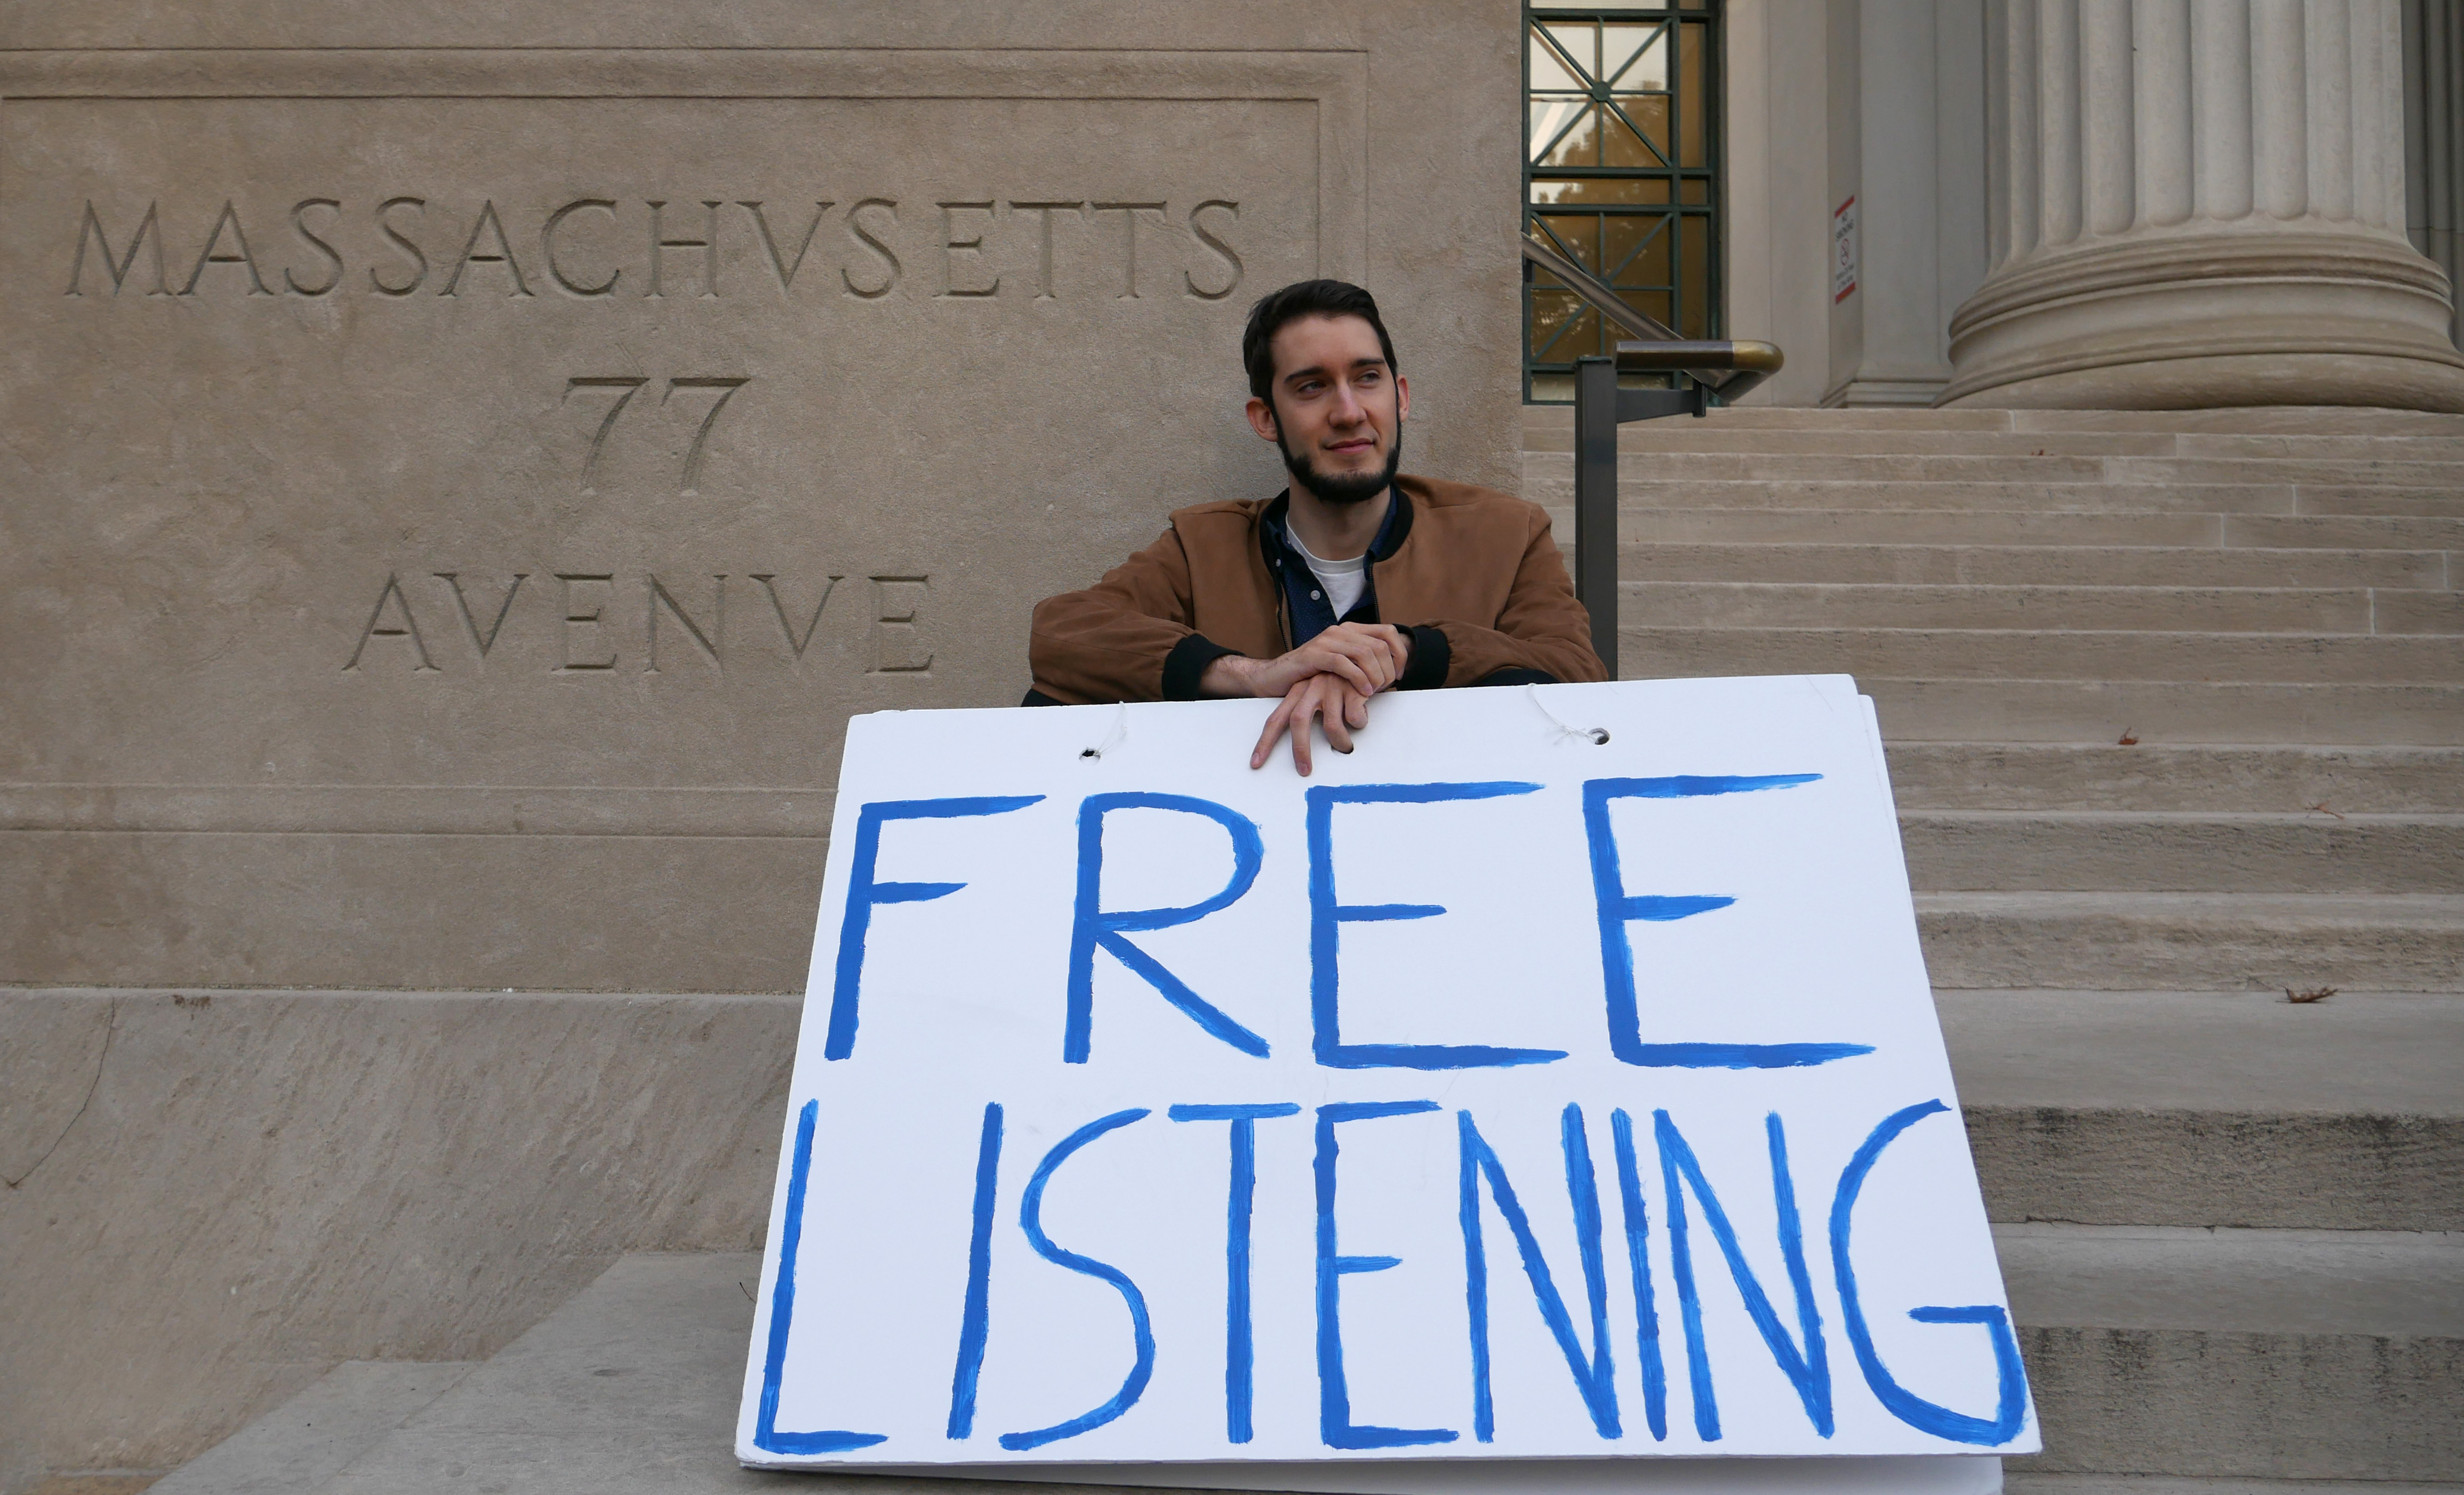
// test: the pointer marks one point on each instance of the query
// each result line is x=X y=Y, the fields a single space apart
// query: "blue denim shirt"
x=1305 y=600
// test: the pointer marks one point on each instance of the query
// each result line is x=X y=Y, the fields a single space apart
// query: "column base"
x=2206 y=383
x=2218 y=316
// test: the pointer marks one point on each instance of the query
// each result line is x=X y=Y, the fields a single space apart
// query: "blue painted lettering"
x=1326 y=918
x=1594 y=1374
x=1091 y=926
x=1336 y=1427
x=2011 y=1376
x=863 y=893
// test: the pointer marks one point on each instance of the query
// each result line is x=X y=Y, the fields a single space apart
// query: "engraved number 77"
x=632 y=385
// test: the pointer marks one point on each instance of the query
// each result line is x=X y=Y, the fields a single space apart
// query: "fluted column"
x=2200 y=202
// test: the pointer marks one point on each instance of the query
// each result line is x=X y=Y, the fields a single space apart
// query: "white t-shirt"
x=1341 y=580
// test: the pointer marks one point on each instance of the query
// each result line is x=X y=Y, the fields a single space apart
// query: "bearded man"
x=1351 y=581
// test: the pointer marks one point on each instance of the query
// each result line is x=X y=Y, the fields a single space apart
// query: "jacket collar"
x=1390 y=537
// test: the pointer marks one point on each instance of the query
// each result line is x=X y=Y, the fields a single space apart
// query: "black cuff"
x=1187 y=661
x=1432 y=656
x=1517 y=674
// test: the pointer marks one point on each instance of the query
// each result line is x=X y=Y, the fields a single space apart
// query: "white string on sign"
x=1113 y=738
x=1597 y=737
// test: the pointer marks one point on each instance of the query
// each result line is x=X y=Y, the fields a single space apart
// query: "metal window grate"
x=1621 y=174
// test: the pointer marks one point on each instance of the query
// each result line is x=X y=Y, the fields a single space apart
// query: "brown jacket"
x=1470 y=573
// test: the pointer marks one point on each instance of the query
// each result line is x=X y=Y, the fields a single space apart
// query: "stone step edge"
x=311 y=1438
x=2024 y=1482
x=2096 y=590
x=2444 y=819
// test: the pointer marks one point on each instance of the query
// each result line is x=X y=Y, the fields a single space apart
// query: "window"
x=1621 y=174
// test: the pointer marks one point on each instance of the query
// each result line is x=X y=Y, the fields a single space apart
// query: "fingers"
x=1376 y=663
x=1397 y=648
x=1359 y=662
x=1392 y=642
x=1303 y=706
x=1369 y=657
x=1356 y=670
x=1300 y=709
x=1320 y=702
x=1334 y=709
x=1384 y=650
x=1275 y=723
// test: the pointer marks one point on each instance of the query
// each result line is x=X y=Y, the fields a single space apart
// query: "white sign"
x=1497 y=1093
x=1843 y=252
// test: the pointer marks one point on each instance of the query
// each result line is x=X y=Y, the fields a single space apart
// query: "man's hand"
x=1369 y=657
x=1325 y=699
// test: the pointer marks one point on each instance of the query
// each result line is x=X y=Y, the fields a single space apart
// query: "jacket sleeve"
x=1542 y=627
x=1126 y=638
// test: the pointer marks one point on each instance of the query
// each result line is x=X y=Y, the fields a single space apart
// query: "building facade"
x=2023 y=202
x=466 y=463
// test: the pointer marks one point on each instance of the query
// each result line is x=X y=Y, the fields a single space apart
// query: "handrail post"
x=1596 y=501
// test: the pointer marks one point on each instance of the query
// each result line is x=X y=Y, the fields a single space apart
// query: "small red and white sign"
x=1843 y=252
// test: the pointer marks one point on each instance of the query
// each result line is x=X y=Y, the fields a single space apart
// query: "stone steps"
x=2182 y=851
x=2213 y=1108
x=1941 y=653
x=2241 y=1354
x=2153 y=777
x=1700 y=523
x=1660 y=489
x=2034 y=565
x=2127 y=940
x=2413 y=448
x=2028 y=1482
x=1645 y=471
x=1712 y=435
x=2265 y=421
x=2167 y=712
x=2087 y=609
x=2220 y=1209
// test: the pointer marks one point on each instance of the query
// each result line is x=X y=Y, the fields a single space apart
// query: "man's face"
x=1337 y=410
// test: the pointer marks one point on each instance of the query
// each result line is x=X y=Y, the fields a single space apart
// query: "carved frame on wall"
x=1335 y=83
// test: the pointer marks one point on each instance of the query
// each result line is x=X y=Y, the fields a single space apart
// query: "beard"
x=1340 y=490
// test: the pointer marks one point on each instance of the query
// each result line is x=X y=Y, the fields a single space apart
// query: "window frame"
x=1707 y=17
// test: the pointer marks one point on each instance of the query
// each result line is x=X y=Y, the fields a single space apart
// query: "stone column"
x=2200 y=202
x=2433 y=135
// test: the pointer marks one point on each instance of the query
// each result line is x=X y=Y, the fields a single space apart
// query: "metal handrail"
x=1729 y=369
x=1745 y=363
x=1596 y=291
x=1725 y=369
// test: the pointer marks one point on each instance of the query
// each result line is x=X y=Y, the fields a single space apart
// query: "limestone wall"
x=464 y=464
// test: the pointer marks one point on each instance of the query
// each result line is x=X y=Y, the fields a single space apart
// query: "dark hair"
x=1303 y=298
